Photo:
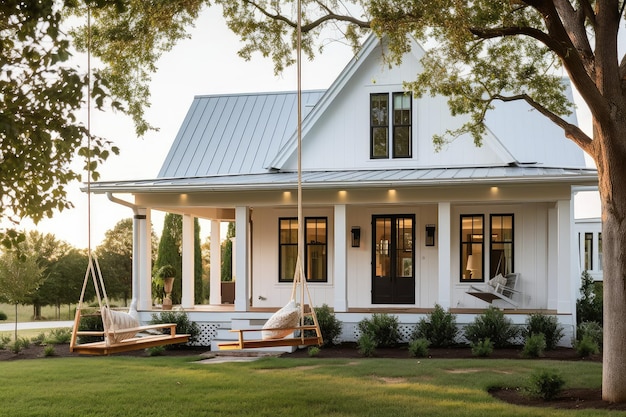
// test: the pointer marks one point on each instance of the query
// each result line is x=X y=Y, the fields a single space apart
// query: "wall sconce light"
x=356 y=236
x=430 y=235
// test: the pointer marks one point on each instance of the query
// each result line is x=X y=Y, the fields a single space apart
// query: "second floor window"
x=400 y=113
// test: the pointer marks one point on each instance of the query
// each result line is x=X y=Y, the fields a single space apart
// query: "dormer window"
x=400 y=114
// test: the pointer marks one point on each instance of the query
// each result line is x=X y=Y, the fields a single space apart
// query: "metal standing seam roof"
x=234 y=133
x=355 y=179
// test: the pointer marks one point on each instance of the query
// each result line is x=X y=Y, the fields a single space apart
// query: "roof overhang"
x=356 y=179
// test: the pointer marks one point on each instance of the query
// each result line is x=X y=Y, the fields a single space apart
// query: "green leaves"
x=39 y=131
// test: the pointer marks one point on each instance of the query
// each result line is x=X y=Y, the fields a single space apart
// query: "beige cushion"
x=498 y=279
x=118 y=320
x=287 y=317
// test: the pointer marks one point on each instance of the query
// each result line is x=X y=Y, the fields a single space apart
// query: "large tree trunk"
x=612 y=187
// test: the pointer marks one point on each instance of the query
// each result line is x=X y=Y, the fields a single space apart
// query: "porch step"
x=224 y=335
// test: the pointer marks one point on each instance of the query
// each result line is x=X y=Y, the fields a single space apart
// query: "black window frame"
x=400 y=124
x=493 y=263
x=466 y=248
x=309 y=242
x=375 y=126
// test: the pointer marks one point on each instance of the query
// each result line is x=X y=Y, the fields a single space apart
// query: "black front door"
x=393 y=275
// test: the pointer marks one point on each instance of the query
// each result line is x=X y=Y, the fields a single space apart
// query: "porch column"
x=553 y=256
x=142 y=262
x=566 y=290
x=215 y=291
x=444 y=254
x=187 y=300
x=241 y=267
x=340 y=255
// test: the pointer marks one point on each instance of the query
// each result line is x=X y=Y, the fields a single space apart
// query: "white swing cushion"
x=118 y=320
x=498 y=279
x=287 y=317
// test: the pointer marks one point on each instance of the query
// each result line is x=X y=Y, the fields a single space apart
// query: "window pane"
x=472 y=262
x=588 y=251
x=501 y=254
x=288 y=248
x=401 y=142
x=379 y=125
x=402 y=125
x=380 y=143
x=316 y=249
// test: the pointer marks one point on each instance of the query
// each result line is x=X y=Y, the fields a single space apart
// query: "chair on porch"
x=499 y=288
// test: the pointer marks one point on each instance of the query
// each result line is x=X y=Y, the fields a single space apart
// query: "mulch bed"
x=568 y=399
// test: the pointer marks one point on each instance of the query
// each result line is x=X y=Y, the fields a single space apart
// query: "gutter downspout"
x=137 y=216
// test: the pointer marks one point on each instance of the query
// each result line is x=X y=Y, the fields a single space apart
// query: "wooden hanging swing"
x=121 y=331
x=287 y=326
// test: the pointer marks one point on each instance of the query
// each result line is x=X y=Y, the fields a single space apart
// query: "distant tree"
x=227 y=254
x=169 y=253
x=47 y=250
x=20 y=276
x=197 y=264
x=65 y=280
x=115 y=256
x=206 y=266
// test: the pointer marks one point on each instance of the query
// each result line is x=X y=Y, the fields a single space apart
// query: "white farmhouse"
x=391 y=225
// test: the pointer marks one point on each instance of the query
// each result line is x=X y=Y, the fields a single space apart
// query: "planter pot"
x=228 y=292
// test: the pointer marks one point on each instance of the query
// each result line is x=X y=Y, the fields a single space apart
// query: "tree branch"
x=572 y=132
x=314 y=24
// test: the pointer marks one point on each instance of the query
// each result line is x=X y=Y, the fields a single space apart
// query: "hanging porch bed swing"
x=288 y=326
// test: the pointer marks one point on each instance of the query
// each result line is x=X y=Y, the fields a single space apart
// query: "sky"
x=205 y=64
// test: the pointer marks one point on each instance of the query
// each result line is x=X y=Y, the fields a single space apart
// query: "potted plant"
x=167 y=273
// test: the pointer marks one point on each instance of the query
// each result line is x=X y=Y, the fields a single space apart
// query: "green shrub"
x=547 y=325
x=534 y=346
x=90 y=322
x=439 y=328
x=383 y=329
x=591 y=329
x=418 y=348
x=155 y=350
x=183 y=325
x=482 y=348
x=18 y=345
x=39 y=340
x=366 y=345
x=4 y=341
x=492 y=325
x=589 y=305
x=313 y=351
x=586 y=346
x=545 y=384
x=59 y=336
x=329 y=325
x=3 y=316
x=48 y=351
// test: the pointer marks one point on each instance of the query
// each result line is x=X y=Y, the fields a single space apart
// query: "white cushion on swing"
x=118 y=320
x=287 y=317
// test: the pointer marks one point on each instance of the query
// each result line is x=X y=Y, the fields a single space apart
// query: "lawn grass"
x=25 y=312
x=168 y=386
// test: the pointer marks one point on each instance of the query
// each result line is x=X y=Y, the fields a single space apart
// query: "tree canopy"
x=40 y=128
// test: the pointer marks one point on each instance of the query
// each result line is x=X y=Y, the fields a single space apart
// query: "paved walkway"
x=6 y=326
